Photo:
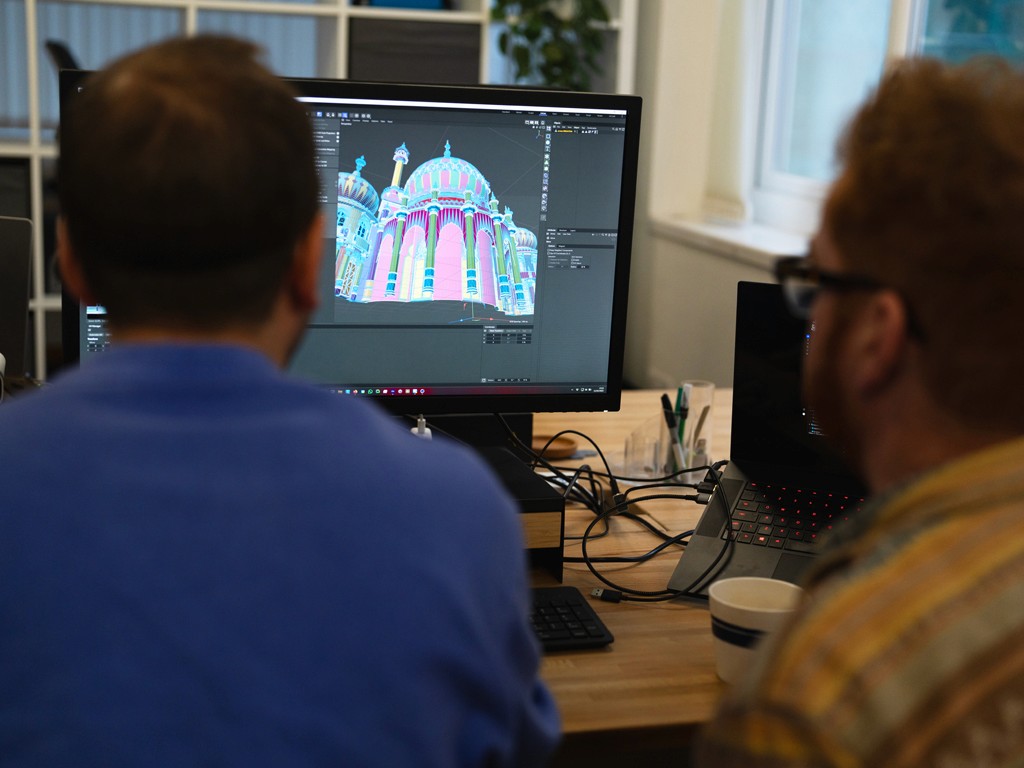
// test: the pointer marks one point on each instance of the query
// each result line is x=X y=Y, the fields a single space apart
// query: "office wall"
x=682 y=297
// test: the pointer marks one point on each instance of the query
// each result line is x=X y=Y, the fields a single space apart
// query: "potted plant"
x=553 y=42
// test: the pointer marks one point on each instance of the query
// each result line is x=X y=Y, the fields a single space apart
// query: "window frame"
x=784 y=200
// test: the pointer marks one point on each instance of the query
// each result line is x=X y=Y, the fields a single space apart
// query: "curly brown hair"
x=931 y=201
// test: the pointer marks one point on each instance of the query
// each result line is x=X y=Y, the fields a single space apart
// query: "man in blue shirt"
x=202 y=561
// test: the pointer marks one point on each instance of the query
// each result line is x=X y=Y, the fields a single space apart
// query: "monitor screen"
x=476 y=251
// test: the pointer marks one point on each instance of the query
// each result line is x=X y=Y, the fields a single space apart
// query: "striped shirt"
x=909 y=649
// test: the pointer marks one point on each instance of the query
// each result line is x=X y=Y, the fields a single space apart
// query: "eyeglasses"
x=801 y=282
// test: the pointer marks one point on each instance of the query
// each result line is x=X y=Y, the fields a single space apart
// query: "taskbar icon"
x=381 y=391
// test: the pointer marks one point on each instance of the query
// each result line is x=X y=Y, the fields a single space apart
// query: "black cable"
x=654 y=481
x=613 y=479
x=593 y=501
x=619 y=593
x=596 y=509
x=727 y=544
x=677 y=539
x=588 y=501
x=625 y=593
x=602 y=514
x=541 y=460
x=639 y=520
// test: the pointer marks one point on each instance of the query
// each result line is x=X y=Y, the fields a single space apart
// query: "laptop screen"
x=770 y=424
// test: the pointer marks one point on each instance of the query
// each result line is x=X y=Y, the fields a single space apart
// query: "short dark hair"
x=931 y=201
x=186 y=178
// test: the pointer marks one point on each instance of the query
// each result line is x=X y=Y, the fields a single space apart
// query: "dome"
x=452 y=177
x=525 y=239
x=354 y=189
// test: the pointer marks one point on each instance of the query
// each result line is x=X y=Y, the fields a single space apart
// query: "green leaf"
x=521 y=55
x=563 y=53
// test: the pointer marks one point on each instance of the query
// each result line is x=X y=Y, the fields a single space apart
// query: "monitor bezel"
x=526 y=402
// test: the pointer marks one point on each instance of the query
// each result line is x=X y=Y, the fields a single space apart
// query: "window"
x=822 y=59
x=955 y=30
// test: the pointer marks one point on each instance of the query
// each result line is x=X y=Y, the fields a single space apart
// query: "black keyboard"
x=565 y=621
x=785 y=517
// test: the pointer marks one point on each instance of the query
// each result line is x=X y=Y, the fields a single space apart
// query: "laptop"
x=784 y=489
x=15 y=259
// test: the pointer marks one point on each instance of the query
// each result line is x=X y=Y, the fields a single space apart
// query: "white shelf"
x=112 y=27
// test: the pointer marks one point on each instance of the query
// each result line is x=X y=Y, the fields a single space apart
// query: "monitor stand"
x=541 y=506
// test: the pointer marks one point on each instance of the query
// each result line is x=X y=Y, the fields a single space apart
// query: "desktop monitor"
x=15 y=266
x=477 y=247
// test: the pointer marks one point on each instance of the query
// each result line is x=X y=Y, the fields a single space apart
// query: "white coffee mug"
x=744 y=611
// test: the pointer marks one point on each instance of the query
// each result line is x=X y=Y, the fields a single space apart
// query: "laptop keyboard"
x=787 y=518
x=565 y=621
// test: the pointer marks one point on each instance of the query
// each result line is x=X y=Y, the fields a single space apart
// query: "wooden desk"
x=648 y=692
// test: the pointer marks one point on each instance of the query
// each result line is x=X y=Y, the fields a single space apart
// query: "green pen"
x=687 y=447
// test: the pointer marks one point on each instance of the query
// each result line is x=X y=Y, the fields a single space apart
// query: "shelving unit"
x=302 y=39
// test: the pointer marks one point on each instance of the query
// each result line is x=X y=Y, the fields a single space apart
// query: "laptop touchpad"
x=791 y=566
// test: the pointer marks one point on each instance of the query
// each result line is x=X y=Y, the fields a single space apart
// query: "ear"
x=879 y=342
x=305 y=271
x=70 y=268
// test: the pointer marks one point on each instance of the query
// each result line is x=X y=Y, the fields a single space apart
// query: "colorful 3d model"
x=440 y=237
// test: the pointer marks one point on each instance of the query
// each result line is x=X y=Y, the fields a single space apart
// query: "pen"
x=687 y=394
x=673 y=432
x=682 y=410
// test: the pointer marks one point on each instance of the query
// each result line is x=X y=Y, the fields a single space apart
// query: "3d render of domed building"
x=440 y=237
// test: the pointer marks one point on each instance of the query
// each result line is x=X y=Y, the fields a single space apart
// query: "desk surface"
x=657 y=679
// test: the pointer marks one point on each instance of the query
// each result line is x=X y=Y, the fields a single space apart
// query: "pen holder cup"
x=696 y=429
x=648 y=451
